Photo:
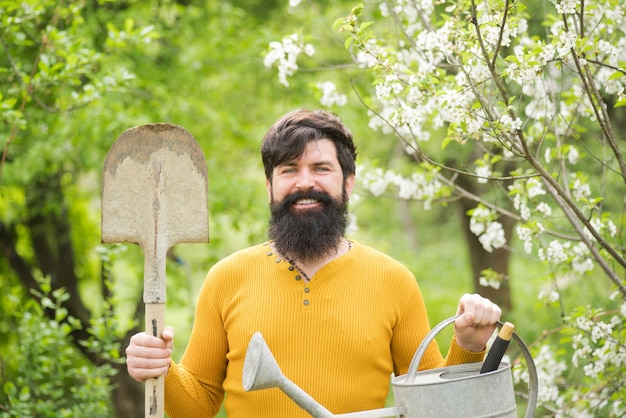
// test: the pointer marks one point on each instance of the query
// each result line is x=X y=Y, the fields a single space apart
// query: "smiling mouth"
x=306 y=202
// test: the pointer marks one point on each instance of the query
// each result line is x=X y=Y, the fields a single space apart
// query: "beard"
x=308 y=235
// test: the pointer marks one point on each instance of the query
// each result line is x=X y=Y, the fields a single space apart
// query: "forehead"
x=319 y=150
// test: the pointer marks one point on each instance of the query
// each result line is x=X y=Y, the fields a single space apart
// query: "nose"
x=305 y=180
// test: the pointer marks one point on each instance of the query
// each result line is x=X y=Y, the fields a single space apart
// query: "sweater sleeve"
x=185 y=396
x=193 y=387
x=458 y=355
x=412 y=328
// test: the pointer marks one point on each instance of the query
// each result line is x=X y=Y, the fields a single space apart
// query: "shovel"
x=154 y=194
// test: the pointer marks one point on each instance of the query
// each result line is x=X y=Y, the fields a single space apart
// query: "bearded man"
x=340 y=317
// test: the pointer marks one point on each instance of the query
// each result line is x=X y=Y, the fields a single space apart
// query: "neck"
x=310 y=267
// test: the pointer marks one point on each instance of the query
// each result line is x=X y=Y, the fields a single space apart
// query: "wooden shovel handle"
x=155 y=388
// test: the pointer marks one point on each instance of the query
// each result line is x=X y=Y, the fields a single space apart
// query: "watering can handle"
x=533 y=384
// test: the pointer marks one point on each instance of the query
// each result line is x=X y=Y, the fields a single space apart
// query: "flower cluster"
x=422 y=186
x=330 y=95
x=285 y=54
x=549 y=375
x=489 y=231
x=598 y=354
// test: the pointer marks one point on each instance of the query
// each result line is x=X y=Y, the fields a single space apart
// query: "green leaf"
x=445 y=142
x=129 y=24
x=365 y=25
x=338 y=24
x=621 y=102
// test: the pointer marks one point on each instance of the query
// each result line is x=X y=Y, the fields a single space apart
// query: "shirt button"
x=291 y=268
x=298 y=277
x=307 y=290
x=306 y=302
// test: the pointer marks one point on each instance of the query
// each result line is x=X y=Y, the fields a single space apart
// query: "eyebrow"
x=294 y=162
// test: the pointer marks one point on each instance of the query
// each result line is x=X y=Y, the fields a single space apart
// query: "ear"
x=268 y=186
x=349 y=185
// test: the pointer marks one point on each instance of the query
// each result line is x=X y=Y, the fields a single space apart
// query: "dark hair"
x=287 y=138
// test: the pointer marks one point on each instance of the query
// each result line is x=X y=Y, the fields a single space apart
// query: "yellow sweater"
x=339 y=337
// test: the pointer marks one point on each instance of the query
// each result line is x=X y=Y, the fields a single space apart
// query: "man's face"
x=317 y=169
x=309 y=203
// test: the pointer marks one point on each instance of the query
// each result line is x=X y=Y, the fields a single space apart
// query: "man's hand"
x=476 y=322
x=148 y=356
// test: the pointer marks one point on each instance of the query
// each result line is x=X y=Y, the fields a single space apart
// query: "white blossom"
x=584 y=324
x=549 y=371
x=493 y=237
x=524 y=212
x=517 y=199
x=384 y=9
x=483 y=172
x=606 y=47
x=581 y=349
x=573 y=155
x=566 y=6
x=419 y=187
x=556 y=252
x=509 y=124
x=583 y=265
x=477 y=221
x=525 y=235
x=366 y=60
x=547 y=155
x=611 y=227
x=544 y=209
x=567 y=41
x=330 y=96
x=285 y=55
x=494 y=283
x=581 y=191
x=534 y=187
x=550 y=296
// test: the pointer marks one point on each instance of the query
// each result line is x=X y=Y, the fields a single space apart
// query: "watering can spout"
x=260 y=371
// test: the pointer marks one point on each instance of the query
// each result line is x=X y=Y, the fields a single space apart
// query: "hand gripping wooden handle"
x=155 y=387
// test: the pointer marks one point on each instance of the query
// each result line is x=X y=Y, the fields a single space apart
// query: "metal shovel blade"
x=154 y=194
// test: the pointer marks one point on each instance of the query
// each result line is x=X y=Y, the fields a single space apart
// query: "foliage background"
x=74 y=75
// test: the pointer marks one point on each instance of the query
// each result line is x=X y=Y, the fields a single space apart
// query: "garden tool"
x=154 y=194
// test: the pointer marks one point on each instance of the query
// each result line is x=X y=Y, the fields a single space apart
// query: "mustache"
x=320 y=196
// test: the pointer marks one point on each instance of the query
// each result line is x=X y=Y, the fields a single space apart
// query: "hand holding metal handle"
x=533 y=383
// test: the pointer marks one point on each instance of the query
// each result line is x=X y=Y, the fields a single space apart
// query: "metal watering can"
x=452 y=391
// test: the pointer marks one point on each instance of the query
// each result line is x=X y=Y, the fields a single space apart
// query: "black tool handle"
x=498 y=348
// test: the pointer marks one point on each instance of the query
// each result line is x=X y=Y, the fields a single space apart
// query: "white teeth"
x=306 y=202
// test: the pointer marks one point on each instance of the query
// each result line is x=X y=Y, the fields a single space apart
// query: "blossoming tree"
x=535 y=97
